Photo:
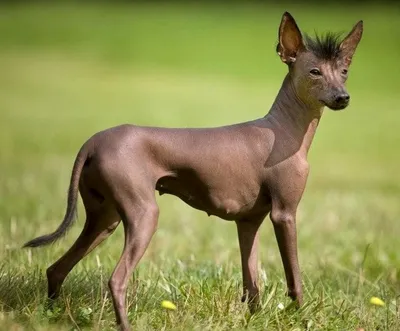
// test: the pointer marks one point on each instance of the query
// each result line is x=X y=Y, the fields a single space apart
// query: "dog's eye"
x=315 y=72
x=344 y=72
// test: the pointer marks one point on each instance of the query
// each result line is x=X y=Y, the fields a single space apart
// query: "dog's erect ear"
x=290 y=39
x=349 y=44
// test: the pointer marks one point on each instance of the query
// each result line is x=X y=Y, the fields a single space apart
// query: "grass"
x=68 y=71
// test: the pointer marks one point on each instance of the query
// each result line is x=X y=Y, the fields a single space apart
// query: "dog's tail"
x=71 y=205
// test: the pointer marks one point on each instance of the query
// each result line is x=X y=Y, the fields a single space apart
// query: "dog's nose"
x=342 y=98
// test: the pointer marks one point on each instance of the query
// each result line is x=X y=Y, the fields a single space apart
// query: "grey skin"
x=240 y=172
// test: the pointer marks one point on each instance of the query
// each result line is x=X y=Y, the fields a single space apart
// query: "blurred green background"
x=70 y=69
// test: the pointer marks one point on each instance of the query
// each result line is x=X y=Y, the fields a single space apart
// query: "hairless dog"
x=240 y=172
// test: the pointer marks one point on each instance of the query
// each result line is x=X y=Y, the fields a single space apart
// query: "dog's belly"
x=226 y=204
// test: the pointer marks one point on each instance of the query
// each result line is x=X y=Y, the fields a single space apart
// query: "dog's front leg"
x=248 y=242
x=284 y=221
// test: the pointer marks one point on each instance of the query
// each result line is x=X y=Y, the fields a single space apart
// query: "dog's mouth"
x=335 y=106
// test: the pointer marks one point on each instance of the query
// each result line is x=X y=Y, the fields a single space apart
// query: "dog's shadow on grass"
x=19 y=289
x=84 y=299
x=23 y=295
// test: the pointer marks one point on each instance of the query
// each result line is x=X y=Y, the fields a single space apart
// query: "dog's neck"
x=295 y=116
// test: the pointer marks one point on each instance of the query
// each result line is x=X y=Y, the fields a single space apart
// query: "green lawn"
x=67 y=71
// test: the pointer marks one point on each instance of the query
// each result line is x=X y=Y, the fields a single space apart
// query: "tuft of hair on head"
x=324 y=46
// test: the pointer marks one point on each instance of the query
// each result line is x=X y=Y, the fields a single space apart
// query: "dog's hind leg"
x=139 y=213
x=101 y=221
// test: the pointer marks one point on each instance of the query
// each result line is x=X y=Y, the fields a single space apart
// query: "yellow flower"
x=376 y=301
x=168 y=305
